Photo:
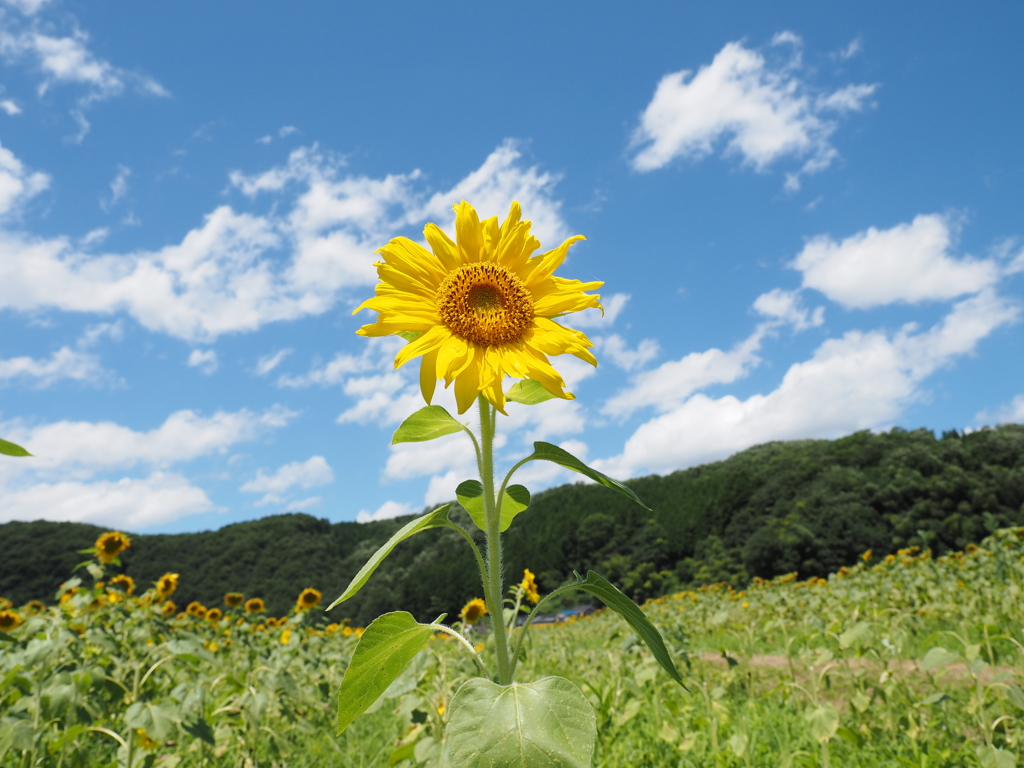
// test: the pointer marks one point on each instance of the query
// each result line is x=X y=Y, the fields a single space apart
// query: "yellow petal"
x=467 y=232
x=489 y=231
x=540 y=267
x=430 y=340
x=496 y=396
x=447 y=252
x=428 y=379
x=466 y=388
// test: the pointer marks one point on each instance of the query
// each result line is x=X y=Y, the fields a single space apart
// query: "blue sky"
x=808 y=222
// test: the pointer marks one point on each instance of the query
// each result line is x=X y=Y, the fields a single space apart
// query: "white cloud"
x=94 y=236
x=592 y=318
x=27 y=7
x=671 y=383
x=65 y=363
x=127 y=504
x=304 y=474
x=616 y=349
x=17 y=184
x=267 y=363
x=1012 y=413
x=386 y=511
x=228 y=275
x=203 y=359
x=907 y=263
x=82 y=448
x=786 y=306
x=287 y=130
x=768 y=112
x=266 y=139
x=851 y=50
x=118 y=187
x=859 y=381
x=8 y=106
x=377 y=355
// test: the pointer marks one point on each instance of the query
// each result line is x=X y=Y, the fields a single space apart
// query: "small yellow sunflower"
x=166 y=585
x=332 y=628
x=9 y=620
x=482 y=306
x=529 y=587
x=35 y=606
x=254 y=605
x=195 y=608
x=168 y=608
x=233 y=599
x=286 y=636
x=347 y=631
x=123 y=583
x=309 y=598
x=214 y=614
x=110 y=545
x=473 y=610
x=271 y=622
x=5 y=604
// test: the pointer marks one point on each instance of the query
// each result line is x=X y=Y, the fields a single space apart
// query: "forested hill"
x=810 y=506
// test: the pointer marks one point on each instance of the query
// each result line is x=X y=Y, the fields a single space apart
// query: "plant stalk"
x=493 y=585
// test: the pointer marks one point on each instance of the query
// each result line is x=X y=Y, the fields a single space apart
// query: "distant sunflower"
x=332 y=628
x=254 y=605
x=124 y=583
x=482 y=306
x=214 y=614
x=110 y=545
x=529 y=587
x=35 y=606
x=195 y=608
x=233 y=599
x=5 y=604
x=271 y=622
x=9 y=620
x=309 y=598
x=168 y=608
x=473 y=610
x=166 y=585
x=286 y=636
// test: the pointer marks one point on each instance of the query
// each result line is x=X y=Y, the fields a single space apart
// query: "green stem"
x=493 y=582
x=529 y=620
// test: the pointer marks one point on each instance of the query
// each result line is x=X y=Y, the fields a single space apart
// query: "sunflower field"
x=906 y=660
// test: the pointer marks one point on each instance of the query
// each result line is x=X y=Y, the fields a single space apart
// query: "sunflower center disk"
x=485 y=303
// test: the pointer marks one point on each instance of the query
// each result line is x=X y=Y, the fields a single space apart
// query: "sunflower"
x=473 y=610
x=529 y=587
x=233 y=599
x=482 y=307
x=144 y=741
x=332 y=628
x=110 y=545
x=195 y=608
x=286 y=636
x=35 y=606
x=214 y=614
x=168 y=608
x=271 y=622
x=166 y=585
x=5 y=604
x=254 y=605
x=124 y=583
x=9 y=620
x=308 y=599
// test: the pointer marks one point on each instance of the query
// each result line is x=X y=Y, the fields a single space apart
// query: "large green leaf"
x=470 y=494
x=549 y=452
x=435 y=519
x=427 y=423
x=386 y=648
x=598 y=586
x=10 y=449
x=546 y=724
x=528 y=392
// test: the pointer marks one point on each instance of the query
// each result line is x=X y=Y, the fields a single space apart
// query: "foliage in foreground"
x=809 y=506
x=905 y=660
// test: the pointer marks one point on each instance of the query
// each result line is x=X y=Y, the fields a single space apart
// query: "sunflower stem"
x=493 y=584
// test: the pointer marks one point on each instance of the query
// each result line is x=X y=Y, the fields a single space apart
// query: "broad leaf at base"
x=546 y=724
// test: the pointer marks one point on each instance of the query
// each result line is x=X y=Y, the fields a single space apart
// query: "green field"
x=905 y=660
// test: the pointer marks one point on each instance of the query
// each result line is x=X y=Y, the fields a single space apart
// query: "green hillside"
x=810 y=506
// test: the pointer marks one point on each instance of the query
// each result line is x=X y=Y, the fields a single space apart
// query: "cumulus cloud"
x=616 y=349
x=312 y=472
x=1011 y=413
x=17 y=183
x=65 y=363
x=68 y=477
x=859 y=381
x=386 y=511
x=203 y=359
x=787 y=307
x=10 y=107
x=762 y=111
x=908 y=263
x=228 y=275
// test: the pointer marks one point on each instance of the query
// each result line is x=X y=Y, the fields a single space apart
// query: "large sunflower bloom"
x=482 y=306
x=110 y=545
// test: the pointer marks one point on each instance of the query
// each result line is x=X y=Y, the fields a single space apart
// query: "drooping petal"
x=466 y=387
x=540 y=267
x=428 y=377
x=430 y=340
